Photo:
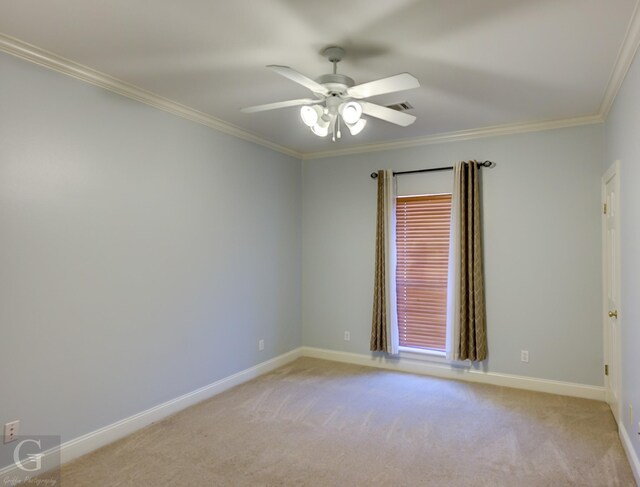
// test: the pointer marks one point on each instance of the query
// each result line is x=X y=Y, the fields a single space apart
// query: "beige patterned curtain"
x=471 y=339
x=384 y=326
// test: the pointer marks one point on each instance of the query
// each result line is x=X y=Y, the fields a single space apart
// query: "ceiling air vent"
x=401 y=107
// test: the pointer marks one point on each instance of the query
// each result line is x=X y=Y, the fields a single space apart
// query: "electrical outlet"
x=524 y=355
x=347 y=336
x=11 y=431
x=260 y=345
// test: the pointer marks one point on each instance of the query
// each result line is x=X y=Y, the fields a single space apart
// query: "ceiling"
x=481 y=63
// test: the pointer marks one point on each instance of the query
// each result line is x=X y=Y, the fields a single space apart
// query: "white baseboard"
x=630 y=451
x=92 y=441
x=446 y=370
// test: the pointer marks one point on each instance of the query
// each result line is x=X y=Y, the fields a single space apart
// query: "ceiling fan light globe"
x=323 y=122
x=320 y=130
x=351 y=112
x=356 y=128
x=309 y=115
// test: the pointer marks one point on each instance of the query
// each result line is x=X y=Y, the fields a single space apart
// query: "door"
x=611 y=284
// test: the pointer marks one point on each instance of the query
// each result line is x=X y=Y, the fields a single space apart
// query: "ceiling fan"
x=338 y=99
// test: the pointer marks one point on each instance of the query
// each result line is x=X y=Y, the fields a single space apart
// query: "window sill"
x=424 y=355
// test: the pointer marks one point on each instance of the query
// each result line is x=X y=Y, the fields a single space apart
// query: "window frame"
x=417 y=353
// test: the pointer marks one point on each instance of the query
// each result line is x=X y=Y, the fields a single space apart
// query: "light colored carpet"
x=319 y=423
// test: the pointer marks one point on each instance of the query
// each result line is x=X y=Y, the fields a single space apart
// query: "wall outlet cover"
x=11 y=431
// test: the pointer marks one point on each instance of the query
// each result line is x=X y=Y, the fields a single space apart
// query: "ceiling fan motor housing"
x=336 y=83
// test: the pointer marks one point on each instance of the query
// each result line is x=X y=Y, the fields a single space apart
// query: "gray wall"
x=623 y=143
x=542 y=248
x=142 y=255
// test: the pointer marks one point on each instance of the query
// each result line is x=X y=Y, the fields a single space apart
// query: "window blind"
x=422 y=246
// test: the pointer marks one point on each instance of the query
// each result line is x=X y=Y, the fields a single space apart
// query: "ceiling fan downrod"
x=334 y=54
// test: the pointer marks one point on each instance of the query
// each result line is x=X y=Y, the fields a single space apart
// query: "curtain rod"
x=374 y=175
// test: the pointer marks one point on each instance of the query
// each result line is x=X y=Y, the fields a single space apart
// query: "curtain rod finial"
x=374 y=175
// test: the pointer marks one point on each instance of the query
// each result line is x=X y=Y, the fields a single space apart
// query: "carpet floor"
x=320 y=423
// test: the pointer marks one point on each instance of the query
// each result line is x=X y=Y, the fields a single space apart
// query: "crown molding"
x=50 y=60
x=494 y=131
x=32 y=53
x=624 y=60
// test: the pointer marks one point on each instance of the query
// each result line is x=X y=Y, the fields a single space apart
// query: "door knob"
x=613 y=314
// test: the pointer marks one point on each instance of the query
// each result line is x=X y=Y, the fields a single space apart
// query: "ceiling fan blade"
x=280 y=104
x=299 y=78
x=398 y=82
x=387 y=114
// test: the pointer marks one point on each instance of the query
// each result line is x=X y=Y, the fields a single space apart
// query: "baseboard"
x=630 y=451
x=446 y=370
x=92 y=441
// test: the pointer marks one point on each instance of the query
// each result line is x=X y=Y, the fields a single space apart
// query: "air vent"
x=401 y=107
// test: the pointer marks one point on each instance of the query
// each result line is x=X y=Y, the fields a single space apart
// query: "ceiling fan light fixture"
x=310 y=114
x=320 y=130
x=356 y=128
x=351 y=112
x=322 y=125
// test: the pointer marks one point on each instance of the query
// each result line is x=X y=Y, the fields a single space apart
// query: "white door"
x=611 y=285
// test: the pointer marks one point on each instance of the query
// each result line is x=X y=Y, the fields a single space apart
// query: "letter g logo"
x=37 y=457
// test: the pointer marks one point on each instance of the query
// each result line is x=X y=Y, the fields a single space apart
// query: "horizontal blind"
x=422 y=246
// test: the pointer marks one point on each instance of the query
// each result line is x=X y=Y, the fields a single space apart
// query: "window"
x=422 y=248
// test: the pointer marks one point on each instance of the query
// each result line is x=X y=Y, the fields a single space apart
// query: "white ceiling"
x=480 y=62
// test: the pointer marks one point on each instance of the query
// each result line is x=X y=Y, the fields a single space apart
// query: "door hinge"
x=605 y=208
x=606 y=370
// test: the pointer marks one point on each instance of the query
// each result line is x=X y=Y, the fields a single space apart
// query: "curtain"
x=466 y=323
x=384 y=324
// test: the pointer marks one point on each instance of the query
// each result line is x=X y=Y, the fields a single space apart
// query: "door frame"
x=615 y=361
